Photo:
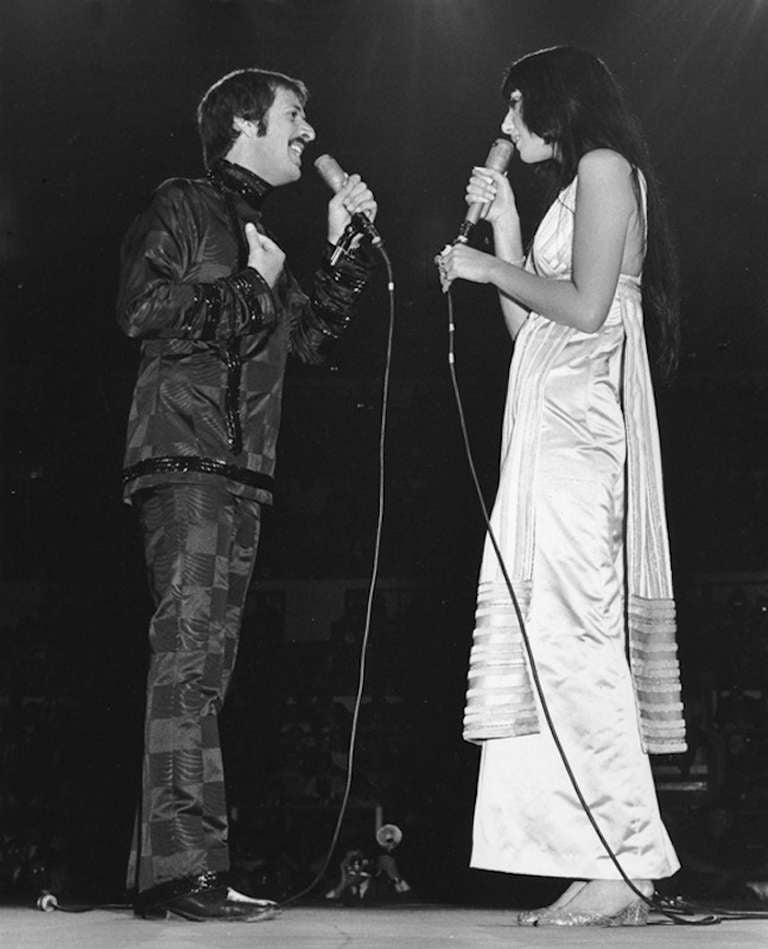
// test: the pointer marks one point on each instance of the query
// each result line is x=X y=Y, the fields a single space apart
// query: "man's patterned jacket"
x=214 y=336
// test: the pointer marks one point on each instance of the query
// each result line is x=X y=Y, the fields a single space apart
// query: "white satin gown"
x=527 y=818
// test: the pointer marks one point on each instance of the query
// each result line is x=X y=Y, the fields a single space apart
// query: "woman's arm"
x=605 y=201
x=509 y=248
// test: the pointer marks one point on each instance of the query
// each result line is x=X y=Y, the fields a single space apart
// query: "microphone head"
x=389 y=836
x=500 y=154
x=331 y=172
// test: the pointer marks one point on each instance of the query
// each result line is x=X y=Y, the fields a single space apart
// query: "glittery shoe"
x=528 y=917
x=634 y=914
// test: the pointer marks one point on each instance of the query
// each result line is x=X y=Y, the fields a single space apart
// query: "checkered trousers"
x=200 y=546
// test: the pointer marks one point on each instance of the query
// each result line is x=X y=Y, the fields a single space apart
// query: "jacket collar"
x=227 y=176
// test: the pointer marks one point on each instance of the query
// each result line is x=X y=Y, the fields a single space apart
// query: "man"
x=206 y=291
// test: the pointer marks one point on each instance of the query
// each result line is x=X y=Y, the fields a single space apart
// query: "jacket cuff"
x=337 y=288
x=255 y=294
x=235 y=305
x=353 y=267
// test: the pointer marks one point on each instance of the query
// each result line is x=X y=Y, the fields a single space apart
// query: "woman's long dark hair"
x=570 y=99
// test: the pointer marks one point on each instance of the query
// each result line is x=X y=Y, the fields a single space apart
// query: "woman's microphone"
x=498 y=159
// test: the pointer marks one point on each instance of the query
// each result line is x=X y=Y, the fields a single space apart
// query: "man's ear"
x=243 y=125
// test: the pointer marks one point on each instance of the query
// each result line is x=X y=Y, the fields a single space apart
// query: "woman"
x=579 y=514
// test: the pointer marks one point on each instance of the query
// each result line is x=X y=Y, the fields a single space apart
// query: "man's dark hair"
x=246 y=94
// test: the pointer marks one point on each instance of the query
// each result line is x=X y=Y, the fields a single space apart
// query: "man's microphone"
x=334 y=176
x=498 y=159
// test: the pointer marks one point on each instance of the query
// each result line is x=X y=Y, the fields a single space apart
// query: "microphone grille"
x=500 y=154
x=330 y=171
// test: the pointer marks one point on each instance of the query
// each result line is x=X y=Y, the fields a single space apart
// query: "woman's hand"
x=353 y=197
x=458 y=261
x=491 y=188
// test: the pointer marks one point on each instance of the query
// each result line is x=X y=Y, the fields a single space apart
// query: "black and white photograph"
x=384 y=481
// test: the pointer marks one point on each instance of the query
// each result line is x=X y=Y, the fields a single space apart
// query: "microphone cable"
x=352 y=744
x=677 y=916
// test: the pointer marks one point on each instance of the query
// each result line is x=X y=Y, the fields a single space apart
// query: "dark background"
x=98 y=100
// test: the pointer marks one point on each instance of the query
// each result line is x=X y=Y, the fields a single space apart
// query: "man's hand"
x=264 y=255
x=353 y=197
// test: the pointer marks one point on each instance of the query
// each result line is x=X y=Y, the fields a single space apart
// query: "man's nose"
x=508 y=125
x=307 y=132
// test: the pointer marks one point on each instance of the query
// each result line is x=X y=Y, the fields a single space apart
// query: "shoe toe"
x=235 y=896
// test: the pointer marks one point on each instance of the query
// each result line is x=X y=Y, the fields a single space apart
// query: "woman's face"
x=530 y=147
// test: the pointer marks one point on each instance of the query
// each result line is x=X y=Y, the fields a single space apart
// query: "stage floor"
x=421 y=926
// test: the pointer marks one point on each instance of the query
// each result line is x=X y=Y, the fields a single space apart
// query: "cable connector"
x=47 y=902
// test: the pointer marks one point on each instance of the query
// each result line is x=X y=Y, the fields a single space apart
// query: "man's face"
x=276 y=155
